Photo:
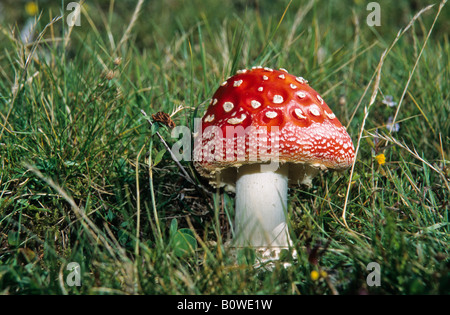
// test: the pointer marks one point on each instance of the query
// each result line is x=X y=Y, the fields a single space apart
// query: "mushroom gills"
x=261 y=205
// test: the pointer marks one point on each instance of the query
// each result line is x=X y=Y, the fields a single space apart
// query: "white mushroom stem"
x=261 y=206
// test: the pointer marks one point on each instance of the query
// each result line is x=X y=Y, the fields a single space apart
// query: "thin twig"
x=182 y=169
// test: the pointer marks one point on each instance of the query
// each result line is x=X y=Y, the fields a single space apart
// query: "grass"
x=85 y=179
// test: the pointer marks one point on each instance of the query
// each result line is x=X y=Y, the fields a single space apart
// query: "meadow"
x=87 y=181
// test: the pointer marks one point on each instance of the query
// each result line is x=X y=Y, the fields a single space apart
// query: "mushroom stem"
x=261 y=205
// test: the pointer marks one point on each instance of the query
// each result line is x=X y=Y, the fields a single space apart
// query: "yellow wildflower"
x=314 y=275
x=31 y=8
x=381 y=159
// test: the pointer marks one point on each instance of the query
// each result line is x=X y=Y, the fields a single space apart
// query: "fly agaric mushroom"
x=264 y=115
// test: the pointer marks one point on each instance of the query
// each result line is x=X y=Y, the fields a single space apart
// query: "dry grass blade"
x=301 y=13
x=77 y=14
x=123 y=263
x=133 y=20
x=375 y=93
x=87 y=223
x=15 y=89
x=418 y=57
x=366 y=114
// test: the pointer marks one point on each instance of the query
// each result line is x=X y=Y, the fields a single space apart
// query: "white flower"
x=388 y=100
x=392 y=127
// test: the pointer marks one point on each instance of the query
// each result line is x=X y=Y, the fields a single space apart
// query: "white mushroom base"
x=261 y=206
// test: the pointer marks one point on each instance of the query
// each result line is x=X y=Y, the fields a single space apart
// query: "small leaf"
x=110 y=215
x=155 y=127
x=13 y=238
x=184 y=243
x=159 y=157
x=173 y=227
x=71 y=163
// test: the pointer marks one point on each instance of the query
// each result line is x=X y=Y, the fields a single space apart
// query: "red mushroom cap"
x=308 y=132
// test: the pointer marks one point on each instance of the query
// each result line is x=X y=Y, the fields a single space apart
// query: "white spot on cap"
x=282 y=69
x=237 y=83
x=271 y=114
x=301 y=80
x=299 y=113
x=320 y=99
x=214 y=102
x=330 y=116
x=255 y=104
x=224 y=83
x=278 y=99
x=268 y=69
x=241 y=71
x=293 y=86
x=236 y=121
x=260 y=89
x=228 y=106
x=265 y=77
x=301 y=94
x=314 y=110
x=282 y=76
x=209 y=118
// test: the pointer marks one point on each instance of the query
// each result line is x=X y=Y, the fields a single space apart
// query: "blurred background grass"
x=75 y=182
